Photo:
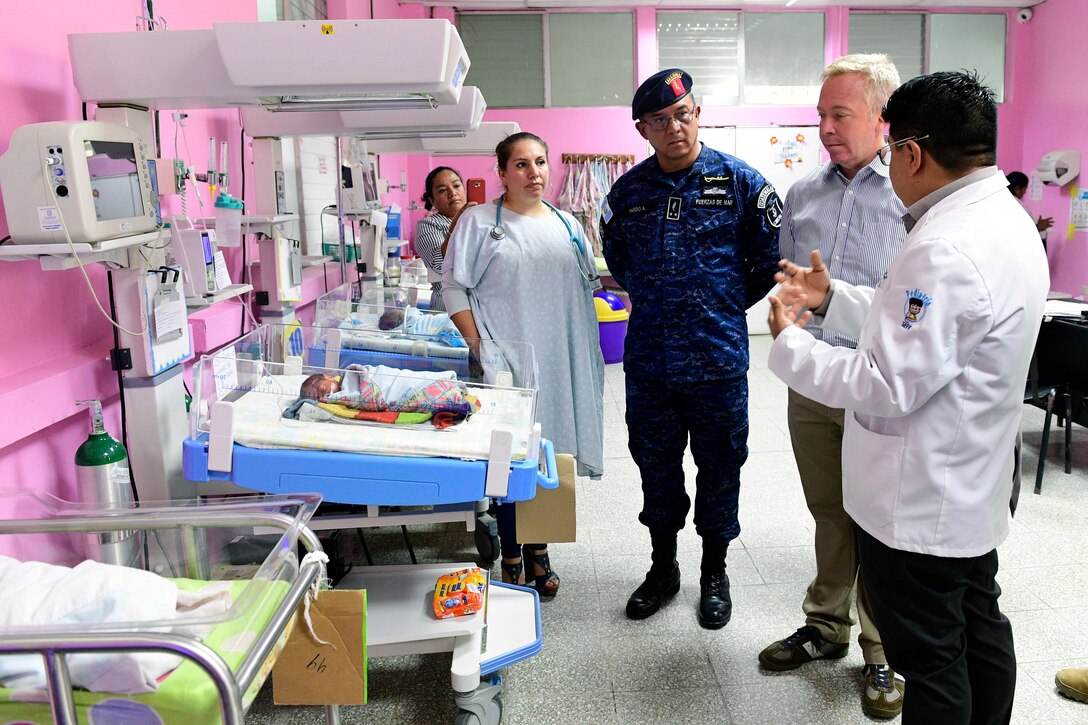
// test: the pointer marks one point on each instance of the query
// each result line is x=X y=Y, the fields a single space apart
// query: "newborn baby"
x=438 y=327
x=386 y=395
x=318 y=386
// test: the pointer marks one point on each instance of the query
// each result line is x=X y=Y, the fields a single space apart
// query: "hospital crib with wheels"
x=224 y=652
x=239 y=437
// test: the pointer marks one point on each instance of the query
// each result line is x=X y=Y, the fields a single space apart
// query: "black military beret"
x=660 y=90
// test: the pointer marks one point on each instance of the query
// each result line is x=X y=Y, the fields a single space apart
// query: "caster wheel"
x=487 y=541
x=490 y=712
x=464 y=717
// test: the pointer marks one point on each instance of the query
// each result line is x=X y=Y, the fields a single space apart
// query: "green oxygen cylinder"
x=103 y=479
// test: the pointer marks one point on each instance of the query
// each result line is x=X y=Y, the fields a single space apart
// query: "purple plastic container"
x=613 y=327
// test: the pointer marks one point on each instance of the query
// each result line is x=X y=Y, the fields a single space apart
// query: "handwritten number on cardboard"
x=316 y=665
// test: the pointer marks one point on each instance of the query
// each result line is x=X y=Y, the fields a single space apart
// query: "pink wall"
x=56 y=341
x=1055 y=99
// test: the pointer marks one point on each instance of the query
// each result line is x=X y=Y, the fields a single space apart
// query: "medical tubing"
x=79 y=262
x=189 y=155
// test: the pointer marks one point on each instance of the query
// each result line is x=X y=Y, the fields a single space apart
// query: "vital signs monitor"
x=90 y=176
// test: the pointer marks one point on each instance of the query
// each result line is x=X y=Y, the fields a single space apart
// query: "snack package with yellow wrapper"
x=460 y=593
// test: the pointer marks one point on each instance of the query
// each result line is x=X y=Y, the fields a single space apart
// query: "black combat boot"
x=715 y=605
x=662 y=581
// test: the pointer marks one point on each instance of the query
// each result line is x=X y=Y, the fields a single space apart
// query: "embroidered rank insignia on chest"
x=915 y=308
x=714 y=192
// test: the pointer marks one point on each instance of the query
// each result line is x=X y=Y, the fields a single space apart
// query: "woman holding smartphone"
x=519 y=269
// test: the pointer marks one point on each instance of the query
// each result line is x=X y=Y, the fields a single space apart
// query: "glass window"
x=956 y=41
x=508 y=58
x=609 y=80
x=707 y=45
x=778 y=55
x=303 y=10
x=507 y=55
x=901 y=36
x=969 y=42
x=783 y=57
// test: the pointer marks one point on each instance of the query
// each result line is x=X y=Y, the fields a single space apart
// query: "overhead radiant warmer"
x=290 y=65
x=461 y=117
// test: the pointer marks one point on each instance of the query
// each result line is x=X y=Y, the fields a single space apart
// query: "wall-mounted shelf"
x=235 y=290
x=314 y=260
x=357 y=215
x=251 y=224
x=60 y=256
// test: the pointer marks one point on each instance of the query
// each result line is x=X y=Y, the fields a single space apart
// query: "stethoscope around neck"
x=498 y=234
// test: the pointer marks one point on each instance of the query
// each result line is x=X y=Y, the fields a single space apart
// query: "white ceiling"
x=727 y=4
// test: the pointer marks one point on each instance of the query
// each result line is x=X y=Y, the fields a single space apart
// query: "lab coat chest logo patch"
x=771 y=206
x=915 y=308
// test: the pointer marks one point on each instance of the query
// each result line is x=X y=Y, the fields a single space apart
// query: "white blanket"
x=34 y=595
x=259 y=423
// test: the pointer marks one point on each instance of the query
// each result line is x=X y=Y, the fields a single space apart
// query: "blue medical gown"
x=527 y=287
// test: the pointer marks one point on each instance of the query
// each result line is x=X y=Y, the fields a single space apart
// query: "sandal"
x=547 y=581
x=512 y=571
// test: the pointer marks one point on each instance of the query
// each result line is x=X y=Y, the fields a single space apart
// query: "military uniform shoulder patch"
x=771 y=206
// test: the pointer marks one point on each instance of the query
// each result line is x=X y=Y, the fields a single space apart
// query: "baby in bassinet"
x=365 y=391
x=438 y=326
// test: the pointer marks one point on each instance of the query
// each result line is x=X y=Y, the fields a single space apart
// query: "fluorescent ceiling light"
x=392 y=134
x=347 y=103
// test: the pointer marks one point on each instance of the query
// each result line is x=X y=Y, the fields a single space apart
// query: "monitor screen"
x=208 y=254
x=115 y=181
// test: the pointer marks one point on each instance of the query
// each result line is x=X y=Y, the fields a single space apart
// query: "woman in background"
x=519 y=269
x=445 y=194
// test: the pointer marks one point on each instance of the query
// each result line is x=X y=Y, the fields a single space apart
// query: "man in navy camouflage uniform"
x=692 y=235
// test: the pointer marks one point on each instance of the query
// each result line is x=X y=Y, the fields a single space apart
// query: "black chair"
x=1044 y=394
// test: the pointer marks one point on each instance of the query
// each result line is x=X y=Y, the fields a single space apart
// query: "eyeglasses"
x=660 y=123
x=885 y=152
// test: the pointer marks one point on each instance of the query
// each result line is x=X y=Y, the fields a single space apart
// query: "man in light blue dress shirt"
x=848 y=211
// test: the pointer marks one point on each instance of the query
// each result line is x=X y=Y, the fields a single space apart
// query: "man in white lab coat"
x=848 y=211
x=933 y=394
